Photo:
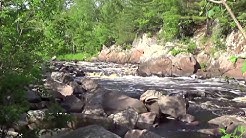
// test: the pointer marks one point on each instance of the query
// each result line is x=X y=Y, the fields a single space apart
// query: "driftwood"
x=231 y=14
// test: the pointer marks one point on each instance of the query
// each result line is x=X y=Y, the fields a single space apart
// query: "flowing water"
x=213 y=97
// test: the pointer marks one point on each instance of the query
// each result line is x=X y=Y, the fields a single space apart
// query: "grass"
x=77 y=56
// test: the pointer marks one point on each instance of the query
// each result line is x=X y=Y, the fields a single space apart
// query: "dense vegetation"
x=34 y=30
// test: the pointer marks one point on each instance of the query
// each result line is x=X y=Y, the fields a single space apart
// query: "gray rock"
x=61 y=77
x=73 y=104
x=169 y=105
x=94 y=103
x=57 y=76
x=81 y=120
x=114 y=102
x=89 y=84
x=135 y=133
x=127 y=118
x=36 y=115
x=33 y=96
x=92 y=131
x=146 y=120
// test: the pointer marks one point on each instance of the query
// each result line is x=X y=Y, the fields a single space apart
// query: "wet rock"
x=114 y=102
x=161 y=66
x=81 y=120
x=184 y=65
x=146 y=120
x=135 y=133
x=169 y=105
x=127 y=118
x=187 y=118
x=92 y=131
x=73 y=104
x=79 y=73
x=210 y=131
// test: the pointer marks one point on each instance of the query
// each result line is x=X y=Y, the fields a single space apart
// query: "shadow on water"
x=178 y=129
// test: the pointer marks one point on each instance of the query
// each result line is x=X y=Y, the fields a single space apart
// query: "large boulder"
x=235 y=70
x=135 y=133
x=127 y=118
x=114 y=102
x=173 y=106
x=146 y=120
x=73 y=104
x=161 y=66
x=92 y=131
x=229 y=123
x=184 y=65
x=33 y=96
x=94 y=103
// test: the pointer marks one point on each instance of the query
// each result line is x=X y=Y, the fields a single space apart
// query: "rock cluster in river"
x=98 y=112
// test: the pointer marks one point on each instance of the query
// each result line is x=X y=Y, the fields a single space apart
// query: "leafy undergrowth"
x=77 y=56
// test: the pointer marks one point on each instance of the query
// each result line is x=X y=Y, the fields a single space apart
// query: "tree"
x=231 y=14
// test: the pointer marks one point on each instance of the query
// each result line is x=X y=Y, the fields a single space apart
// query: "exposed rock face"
x=92 y=131
x=160 y=66
x=235 y=42
x=135 y=133
x=169 y=105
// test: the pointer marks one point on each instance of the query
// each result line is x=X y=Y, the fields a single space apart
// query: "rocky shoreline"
x=155 y=58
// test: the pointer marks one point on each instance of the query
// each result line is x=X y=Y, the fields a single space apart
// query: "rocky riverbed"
x=111 y=100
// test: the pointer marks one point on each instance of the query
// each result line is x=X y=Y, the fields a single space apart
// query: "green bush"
x=191 y=48
x=237 y=133
x=233 y=59
x=175 y=51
